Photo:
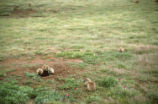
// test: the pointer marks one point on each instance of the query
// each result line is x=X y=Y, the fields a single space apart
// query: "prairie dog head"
x=87 y=80
x=45 y=67
x=121 y=49
x=39 y=71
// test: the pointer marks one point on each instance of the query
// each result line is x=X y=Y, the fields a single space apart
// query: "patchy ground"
x=23 y=65
x=79 y=39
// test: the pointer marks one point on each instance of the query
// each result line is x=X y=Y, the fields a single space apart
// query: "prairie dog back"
x=91 y=86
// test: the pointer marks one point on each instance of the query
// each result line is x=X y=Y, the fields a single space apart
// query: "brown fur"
x=45 y=70
x=45 y=67
x=16 y=8
x=39 y=71
x=136 y=1
x=91 y=86
x=29 y=4
x=121 y=49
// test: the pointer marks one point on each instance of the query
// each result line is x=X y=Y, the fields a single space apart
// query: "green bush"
x=108 y=82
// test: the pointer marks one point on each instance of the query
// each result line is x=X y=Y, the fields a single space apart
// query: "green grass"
x=69 y=83
x=47 y=97
x=12 y=93
x=108 y=82
x=4 y=70
x=91 y=31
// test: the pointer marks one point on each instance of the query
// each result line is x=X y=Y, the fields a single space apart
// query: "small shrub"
x=108 y=82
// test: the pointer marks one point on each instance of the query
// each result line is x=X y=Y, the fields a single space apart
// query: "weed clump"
x=108 y=82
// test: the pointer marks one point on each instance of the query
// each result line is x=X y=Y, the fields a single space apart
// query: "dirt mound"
x=22 y=65
x=61 y=70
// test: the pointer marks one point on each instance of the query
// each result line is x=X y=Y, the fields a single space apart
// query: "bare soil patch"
x=23 y=13
x=24 y=64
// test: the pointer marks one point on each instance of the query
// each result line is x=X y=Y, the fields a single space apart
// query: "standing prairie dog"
x=91 y=86
x=121 y=49
x=29 y=4
x=136 y=1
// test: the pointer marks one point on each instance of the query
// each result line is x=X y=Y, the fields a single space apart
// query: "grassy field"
x=79 y=39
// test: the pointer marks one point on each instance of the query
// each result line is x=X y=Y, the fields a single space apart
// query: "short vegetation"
x=80 y=39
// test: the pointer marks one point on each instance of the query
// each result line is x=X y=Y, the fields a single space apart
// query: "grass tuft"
x=11 y=93
x=108 y=82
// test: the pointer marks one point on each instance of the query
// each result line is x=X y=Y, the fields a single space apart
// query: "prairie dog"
x=91 y=86
x=136 y=1
x=51 y=70
x=48 y=68
x=29 y=4
x=45 y=67
x=121 y=49
x=39 y=71
x=16 y=8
